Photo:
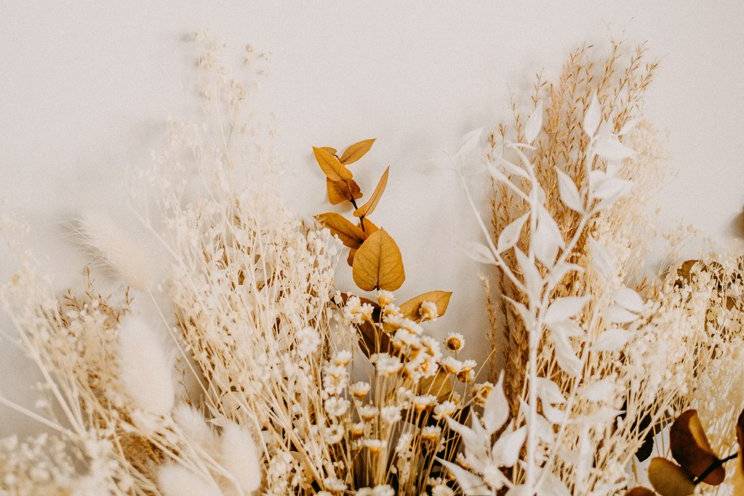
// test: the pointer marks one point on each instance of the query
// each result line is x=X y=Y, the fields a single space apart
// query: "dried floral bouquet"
x=234 y=366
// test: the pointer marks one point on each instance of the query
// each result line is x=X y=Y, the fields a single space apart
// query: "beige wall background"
x=85 y=87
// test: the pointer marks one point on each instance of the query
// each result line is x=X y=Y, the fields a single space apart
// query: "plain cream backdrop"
x=85 y=87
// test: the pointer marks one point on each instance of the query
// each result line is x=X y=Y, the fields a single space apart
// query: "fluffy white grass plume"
x=145 y=367
x=240 y=457
x=175 y=480
x=194 y=427
x=117 y=249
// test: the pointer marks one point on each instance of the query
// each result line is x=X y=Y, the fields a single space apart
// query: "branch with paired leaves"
x=697 y=463
x=374 y=256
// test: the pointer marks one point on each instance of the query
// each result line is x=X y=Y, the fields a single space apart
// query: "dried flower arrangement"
x=599 y=359
x=272 y=381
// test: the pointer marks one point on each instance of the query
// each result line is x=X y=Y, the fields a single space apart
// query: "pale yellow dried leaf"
x=330 y=165
x=374 y=199
x=350 y=234
x=342 y=191
x=378 y=263
x=410 y=309
x=356 y=151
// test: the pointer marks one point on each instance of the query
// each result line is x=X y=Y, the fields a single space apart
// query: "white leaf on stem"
x=551 y=485
x=549 y=392
x=611 y=340
x=496 y=410
x=475 y=448
x=510 y=234
x=618 y=315
x=604 y=186
x=532 y=278
x=507 y=447
x=566 y=328
x=527 y=318
x=601 y=416
x=514 y=169
x=565 y=355
x=534 y=124
x=600 y=390
x=629 y=300
x=498 y=175
x=547 y=237
x=479 y=252
x=560 y=271
x=470 y=484
x=469 y=142
x=542 y=427
x=568 y=191
x=592 y=116
x=601 y=260
x=609 y=147
x=564 y=308
x=553 y=414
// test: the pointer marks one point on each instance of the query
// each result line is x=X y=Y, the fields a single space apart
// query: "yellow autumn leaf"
x=356 y=151
x=342 y=191
x=368 y=227
x=330 y=165
x=410 y=309
x=669 y=479
x=350 y=234
x=370 y=205
x=440 y=385
x=329 y=149
x=378 y=263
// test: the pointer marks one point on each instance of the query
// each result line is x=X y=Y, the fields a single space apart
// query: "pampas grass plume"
x=240 y=457
x=117 y=249
x=145 y=368
x=175 y=480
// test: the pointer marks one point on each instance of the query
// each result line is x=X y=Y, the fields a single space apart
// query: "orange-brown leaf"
x=640 y=491
x=349 y=234
x=378 y=263
x=329 y=149
x=374 y=199
x=330 y=165
x=350 y=257
x=342 y=191
x=369 y=226
x=738 y=478
x=356 y=151
x=691 y=449
x=410 y=309
x=669 y=479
